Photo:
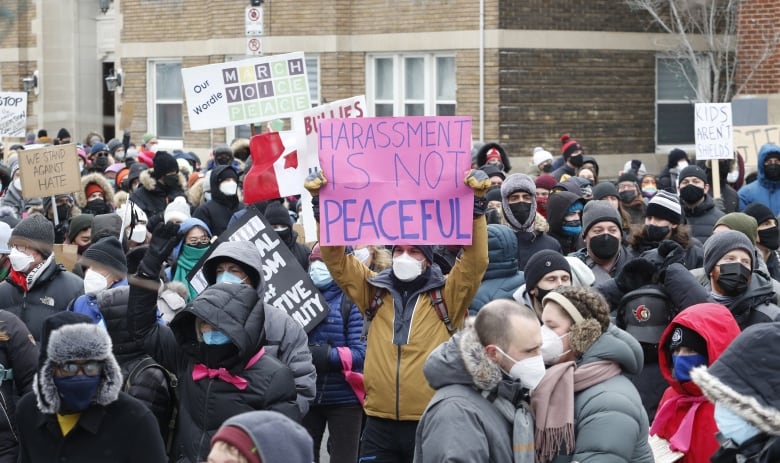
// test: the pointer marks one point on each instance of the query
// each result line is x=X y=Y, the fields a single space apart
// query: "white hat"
x=178 y=210
x=5 y=233
x=639 y=172
x=541 y=155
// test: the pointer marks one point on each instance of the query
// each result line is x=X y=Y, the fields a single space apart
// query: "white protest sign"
x=749 y=139
x=305 y=124
x=714 y=131
x=247 y=91
x=13 y=114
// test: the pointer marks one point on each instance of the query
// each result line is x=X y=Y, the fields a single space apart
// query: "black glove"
x=164 y=238
x=671 y=252
x=320 y=357
x=315 y=207
x=635 y=274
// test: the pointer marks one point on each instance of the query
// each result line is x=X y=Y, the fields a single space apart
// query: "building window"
x=675 y=99
x=165 y=99
x=411 y=85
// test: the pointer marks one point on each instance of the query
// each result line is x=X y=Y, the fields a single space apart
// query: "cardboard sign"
x=305 y=124
x=749 y=139
x=287 y=285
x=49 y=171
x=713 y=126
x=127 y=114
x=245 y=92
x=395 y=180
x=13 y=114
x=67 y=255
x=276 y=171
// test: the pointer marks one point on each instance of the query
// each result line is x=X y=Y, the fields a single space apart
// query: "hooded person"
x=217 y=345
x=766 y=189
x=13 y=193
x=37 y=286
x=77 y=411
x=677 y=160
x=767 y=236
x=742 y=384
x=564 y=214
x=132 y=180
x=96 y=195
x=158 y=186
x=518 y=202
x=279 y=218
x=696 y=336
x=65 y=208
x=195 y=243
x=503 y=276
x=697 y=204
x=493 y=153
x=261 y=436
x=224 y=201
x=544 y=186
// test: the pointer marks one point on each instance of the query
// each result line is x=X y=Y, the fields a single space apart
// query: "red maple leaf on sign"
x=291 y=160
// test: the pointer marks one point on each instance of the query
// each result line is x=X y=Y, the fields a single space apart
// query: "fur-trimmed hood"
x=102 y=182
x=148 y=182
x=79 y=341
x=462 y=360
x=482 y=155
x=615 y=345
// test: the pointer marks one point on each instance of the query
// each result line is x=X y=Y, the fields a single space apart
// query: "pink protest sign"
x=395 y=180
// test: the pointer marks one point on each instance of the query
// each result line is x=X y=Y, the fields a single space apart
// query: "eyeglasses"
x=194 y=240
x=89 y=368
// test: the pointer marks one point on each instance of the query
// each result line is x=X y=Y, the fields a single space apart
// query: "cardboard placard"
x=13 y=114
x=49 y=171
x=127 y=115
x=66 y=255
x=713 y=126
x=749 y=139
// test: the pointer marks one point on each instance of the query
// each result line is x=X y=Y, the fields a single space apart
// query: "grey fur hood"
x=79 y=341
x=462 y=360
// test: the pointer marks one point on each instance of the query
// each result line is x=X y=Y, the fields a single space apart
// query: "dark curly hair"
x=589 y=303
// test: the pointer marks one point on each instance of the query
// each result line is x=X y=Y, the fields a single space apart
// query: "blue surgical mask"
x=215 y=338
x=733 y=426
x=227 y=277
x=683 y=364
x=320 y=275
x=76 y=392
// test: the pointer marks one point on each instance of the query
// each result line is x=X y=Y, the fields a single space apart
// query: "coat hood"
x=763 y=153
x=218 y=174
x=617 y=346
x=276 y=437
x=714 y=323
x=482 y=155
x=462 y=360
x=245 y=254
x=148 y=182
x=557 y=206
x=99 y=180
x=502 y=252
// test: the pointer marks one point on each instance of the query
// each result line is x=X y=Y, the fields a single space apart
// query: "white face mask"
x=17 y=183
x=19 y=260
x=207 y=196
x=732 y=176
x=94 y=282
x=319 y=273
x=529 y=371
x=363 y=255
x=154 y=148
x=552 y=346
x=406 y=267
x=138 y=234
x=228 y=188
x=682 y=165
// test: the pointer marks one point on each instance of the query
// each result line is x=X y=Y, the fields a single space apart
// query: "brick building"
x=589 y=67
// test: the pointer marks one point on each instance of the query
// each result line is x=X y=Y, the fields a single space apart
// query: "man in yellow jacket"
x=406 y=324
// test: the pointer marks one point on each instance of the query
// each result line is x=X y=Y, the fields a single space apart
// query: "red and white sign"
x=253 y=20
x=254 y=46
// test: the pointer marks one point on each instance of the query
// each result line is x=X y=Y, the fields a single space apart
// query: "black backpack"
x=172 y=383
x=645 y=313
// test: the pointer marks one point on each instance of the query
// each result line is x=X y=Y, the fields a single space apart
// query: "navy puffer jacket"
x=503 y=276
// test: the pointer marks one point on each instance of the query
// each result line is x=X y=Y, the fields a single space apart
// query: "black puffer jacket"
x=150 y=385
x=702 y=217
x=236 y=311
x=216 y=212
x=150 y=195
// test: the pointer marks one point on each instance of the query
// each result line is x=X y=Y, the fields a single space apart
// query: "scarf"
x=515 y=410
x=187 y=260
x=680 y=441
x=201 y=371
x=552 y=403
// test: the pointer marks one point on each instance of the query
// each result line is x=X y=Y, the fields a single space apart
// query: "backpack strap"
x=373 y=306
x=437 y=299
x=346 y=309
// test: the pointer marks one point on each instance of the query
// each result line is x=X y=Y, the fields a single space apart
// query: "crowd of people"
x=589 y=320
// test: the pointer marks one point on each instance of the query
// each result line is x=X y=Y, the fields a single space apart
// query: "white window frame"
x=399 y=100
x=152 y=102
x=665 y=148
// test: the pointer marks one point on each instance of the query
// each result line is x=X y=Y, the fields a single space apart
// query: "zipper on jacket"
x=398 y=385
x=205 y=417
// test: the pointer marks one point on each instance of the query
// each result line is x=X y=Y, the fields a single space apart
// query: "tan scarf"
x=552 y=404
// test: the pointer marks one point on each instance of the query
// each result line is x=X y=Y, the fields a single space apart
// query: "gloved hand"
x=670 y=252
x=478 y=181
x=313 y=182
x=320 y=357
x=635 y=274
x=164 y=238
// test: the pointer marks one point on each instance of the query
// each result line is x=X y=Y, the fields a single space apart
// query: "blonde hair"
x=381 y=258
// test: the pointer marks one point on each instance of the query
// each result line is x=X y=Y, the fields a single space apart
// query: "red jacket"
x=717 y=326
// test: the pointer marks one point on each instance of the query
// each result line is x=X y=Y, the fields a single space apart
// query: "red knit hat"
x=493 y=155
x=239 y=439
x=569 y=145
x=545 y=181
x=315 y=253
x=93 y=188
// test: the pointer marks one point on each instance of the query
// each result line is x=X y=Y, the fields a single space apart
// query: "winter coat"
x=150 y=196
x=216 y=212
x=600 y=274
x=694 y=253
x=13 y=199
x=702 y=217
x=204 y=404
x=402 y=336
x=502 y=277
x=332 y=388
x=481 y=156
x=50 y=290
x=610 y=424
x=535 y=240
x=557 y=206
x=19 y=355
x=460 y=424
x=718 y=328
x=763 y=190
x=87 y=304
x=108 y=194
x=299 y=250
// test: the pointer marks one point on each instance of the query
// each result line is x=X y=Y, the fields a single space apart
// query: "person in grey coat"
x=482 y=377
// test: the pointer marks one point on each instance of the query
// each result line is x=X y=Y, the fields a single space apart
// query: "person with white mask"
x=224 y=201
x=483 y=377
x=36 y=286
x=105 y=267
x=586 y=410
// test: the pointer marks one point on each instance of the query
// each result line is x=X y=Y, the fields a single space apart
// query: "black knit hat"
x=665 y=205
x=759 y=212
x=63 y=133
x=107 y=253
x=599 y=211
x=35 y=231
x=685 y=337
x=604 y=189
x=693 y=171
x=164 y=163
x=542 y=263
x=277 y=214
x=721 y=243
x=675 y=156
x=425 y=249
x=78 y=224
x=628 y=177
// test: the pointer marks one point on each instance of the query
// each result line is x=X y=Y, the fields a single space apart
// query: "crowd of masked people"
x=588 y=320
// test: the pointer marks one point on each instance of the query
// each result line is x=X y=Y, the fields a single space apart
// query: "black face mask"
x=691 y=193
x=216 y=356
x=734 y=279
x=223 y=160
x=627 y=196
x=547 y=168
x=769 y=238
x=772 y=171
x=285 y=235
x=98 y=206
x=604 y=246
x=540 y=293
x=100 y=163
x=520 y=211
x=655 y=233
x=576 y=161
x=171 y=182
x=63 y=212
x=492 y=216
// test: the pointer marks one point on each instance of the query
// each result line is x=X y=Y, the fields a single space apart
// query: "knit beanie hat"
x=759 y=212
x=493 y=194
x=35 y=231
x=113 y=144
x=665 y=205
x=277 y=214
x=545 y=181
x=719 y=244
x=683 y=336
x=63 y=133
x=604 y=189
x=741 y=222
x=147 y=136
x=236 y=437
x=541 y=155
x=493 y=170
x=568 y=146
x=98 y=148
x=315 y=254
x=135 y=171
x=493 y=154
x=542 y=263
x=628 y=177
x=692 y=171
x=78 y=224
x=427 y=251
x=675 y=156
x=599 y=211
x=512 y=184
x=164 y=163
x=177 y=210
x=107 y=253
x=274 y=437
x=93 y=188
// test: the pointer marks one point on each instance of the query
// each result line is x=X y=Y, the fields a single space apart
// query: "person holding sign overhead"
x=410 y=309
